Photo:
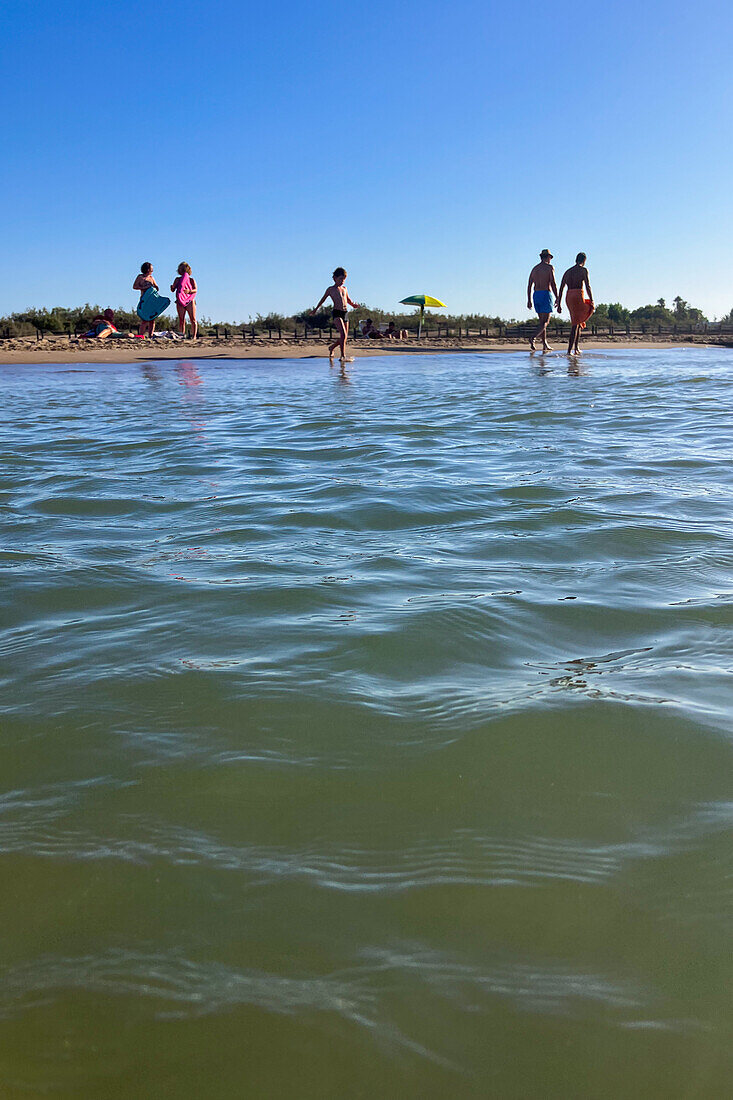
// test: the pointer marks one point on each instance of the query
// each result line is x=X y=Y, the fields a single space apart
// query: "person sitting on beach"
x=370 y=331
x=542 y=278
x=142 y=283
x=339 y=295
x=102 y=326
x=580 y=308
x=185 y=289
x=394 y=333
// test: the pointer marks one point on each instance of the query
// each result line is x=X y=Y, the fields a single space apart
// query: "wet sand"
x=62 y=350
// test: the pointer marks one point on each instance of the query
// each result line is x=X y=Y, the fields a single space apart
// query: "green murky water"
x=369 y=735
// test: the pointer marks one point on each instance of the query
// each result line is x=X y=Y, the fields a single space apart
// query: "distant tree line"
x=60 y=319
x=681 y=313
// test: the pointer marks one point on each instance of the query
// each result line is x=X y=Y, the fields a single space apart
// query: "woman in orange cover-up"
x=580 y=308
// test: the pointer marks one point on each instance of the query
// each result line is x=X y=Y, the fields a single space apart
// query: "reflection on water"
x=152 y=373
x=549 y=363
x=190 y=379
x=368 y=724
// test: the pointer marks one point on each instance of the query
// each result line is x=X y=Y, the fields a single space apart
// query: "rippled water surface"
x=368 y=735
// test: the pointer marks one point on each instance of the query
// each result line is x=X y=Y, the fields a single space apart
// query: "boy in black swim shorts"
x=340 y=298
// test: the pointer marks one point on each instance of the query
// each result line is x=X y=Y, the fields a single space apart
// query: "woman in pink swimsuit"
x=185 y=289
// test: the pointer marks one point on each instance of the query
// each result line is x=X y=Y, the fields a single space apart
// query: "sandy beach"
x=62 y=350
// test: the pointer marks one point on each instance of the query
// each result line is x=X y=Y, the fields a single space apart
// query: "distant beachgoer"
x=394 y=333
x=185 y=288
x=142 y=283
x=340 y=298
x=542 y=278
x=103 y=325
x=580 y=308
x=370 y=331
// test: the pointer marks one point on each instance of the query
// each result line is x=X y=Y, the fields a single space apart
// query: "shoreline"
x=21 y=351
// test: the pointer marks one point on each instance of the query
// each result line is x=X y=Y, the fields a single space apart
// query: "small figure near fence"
x=394 y=333
x=580 y=308
x=542 y=279
x=102 y=326
x=370 y=330
x=185 y=290
x=339 y=295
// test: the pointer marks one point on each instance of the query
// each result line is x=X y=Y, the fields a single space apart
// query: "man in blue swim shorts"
x=542 y=279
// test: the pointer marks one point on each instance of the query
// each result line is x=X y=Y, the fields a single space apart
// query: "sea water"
x=367 y=734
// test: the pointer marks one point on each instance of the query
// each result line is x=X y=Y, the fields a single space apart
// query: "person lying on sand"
x=102 y=326
x=580 y=308
x=339 y=295
x=542 y=278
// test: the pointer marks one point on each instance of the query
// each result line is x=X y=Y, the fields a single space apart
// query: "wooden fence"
x=304 y=333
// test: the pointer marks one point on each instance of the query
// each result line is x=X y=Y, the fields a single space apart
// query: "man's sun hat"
x=546 y=252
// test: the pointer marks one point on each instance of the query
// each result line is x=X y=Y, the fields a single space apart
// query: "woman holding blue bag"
x=151 y=303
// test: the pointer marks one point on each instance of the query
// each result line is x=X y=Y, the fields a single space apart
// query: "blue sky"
x=424 y=146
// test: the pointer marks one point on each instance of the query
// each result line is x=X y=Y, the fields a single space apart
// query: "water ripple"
x=399 y=698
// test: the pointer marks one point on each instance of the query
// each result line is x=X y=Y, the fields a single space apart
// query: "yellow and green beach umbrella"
x=421 y=300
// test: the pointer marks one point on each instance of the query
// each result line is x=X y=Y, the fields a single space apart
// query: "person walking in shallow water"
x=580 y=308
x=541 y=283
x=339 y=295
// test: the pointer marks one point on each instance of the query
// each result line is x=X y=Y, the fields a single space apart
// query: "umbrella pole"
x=419 y=325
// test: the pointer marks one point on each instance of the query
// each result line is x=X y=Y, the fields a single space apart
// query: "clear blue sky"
x=425 y=146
